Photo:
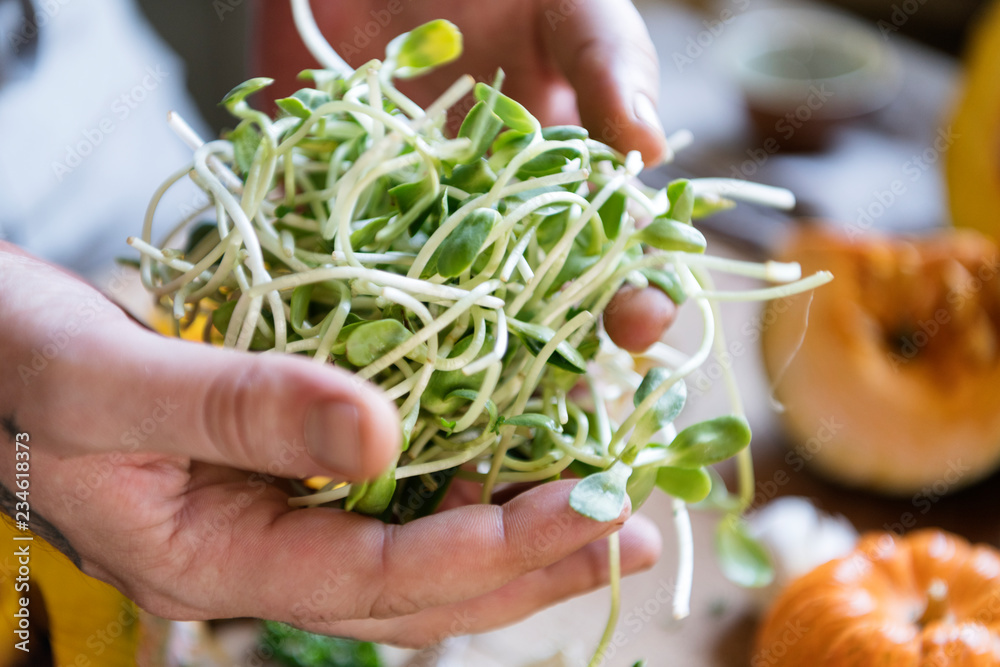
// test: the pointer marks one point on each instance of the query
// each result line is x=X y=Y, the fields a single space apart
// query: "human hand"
x=157 y=465
x=567 y=61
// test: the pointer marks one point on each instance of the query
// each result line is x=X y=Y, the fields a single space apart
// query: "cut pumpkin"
x=895 y=386
x=973 y=162
x=929 y=599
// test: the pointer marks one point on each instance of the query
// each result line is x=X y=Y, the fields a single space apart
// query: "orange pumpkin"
x=929 y=599
x=894 y=387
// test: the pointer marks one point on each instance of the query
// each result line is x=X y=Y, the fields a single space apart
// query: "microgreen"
x=465 y=277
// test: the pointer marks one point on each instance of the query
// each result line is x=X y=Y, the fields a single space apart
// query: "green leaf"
x=372 y=340
x=669 y=406
x=640 y=485
x=531 y=420
x=303 y=102
x=536 y=336
x=475 y=177
x=667 y=234
x=245 y=89
x=601 y=496
x=691 y=485
x=459 y=249
x=718 y=498
x=445 y=391
x=709 y=442
x=377 y=494
x=509 y=143
x=706 y=205
x=481 y=127
x=245 y=139
x=427 y=46
x=668 y=281
x=564 y=133
x=741 y=558
x=364 y=235
x=299 y=306
x=513 y=115
x=680 y=193
x=296 y=648
x=612 y=213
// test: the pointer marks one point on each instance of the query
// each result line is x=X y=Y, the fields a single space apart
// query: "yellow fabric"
x=90 y=623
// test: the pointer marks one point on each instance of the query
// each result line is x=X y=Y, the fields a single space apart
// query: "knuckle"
x=232 y=409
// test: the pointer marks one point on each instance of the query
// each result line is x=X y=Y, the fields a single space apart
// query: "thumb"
x=604 y=51
x=129 y=389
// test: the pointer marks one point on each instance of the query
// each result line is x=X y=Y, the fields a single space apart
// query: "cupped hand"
x=158 y=466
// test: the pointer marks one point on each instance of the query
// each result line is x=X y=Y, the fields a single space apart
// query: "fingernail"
x=333 y=437
x=646 y=112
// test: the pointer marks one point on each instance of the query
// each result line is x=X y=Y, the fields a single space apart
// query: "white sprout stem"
x=424 y=376
x=428 y=334
x=444 y=293
x=754 y=193
x=685 y=560
x=499 y=349
x=768 y=293
x=527 y=387
x=320 y=49
x=773 y=272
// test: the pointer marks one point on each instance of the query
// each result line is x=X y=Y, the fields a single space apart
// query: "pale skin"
x=157 y=463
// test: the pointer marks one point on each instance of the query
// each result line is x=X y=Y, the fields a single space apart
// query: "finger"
x=605 y=52
x=124 y=388
x=635 y=318
x=276 y=560
x=578 y=573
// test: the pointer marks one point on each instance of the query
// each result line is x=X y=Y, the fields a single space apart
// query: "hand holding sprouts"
x=466 y=277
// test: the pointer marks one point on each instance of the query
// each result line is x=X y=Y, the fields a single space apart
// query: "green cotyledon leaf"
x=461 y=247
x=427 y=46
x=601 y=496
x=709 y=442
x=536 y=336
x=371 y=340
x=244 y=90
x=691 y=485
x=513 y=115
x=742 y=559
x=667 y=234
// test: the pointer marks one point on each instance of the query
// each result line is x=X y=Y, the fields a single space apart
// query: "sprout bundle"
x=464 y=276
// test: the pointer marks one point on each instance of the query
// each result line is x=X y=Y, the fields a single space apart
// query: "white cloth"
x=83 y=137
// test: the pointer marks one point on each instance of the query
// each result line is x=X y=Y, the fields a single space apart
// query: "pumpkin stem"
x=937 y=604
